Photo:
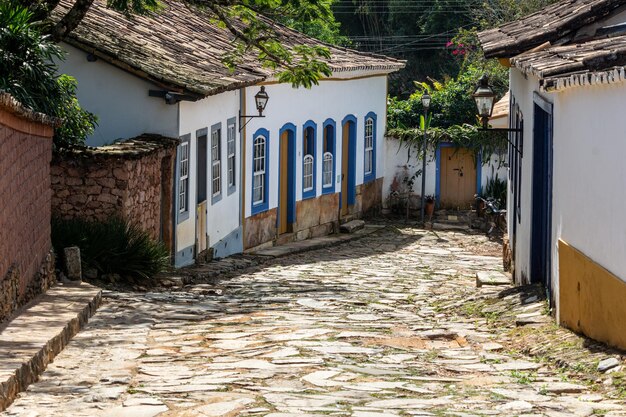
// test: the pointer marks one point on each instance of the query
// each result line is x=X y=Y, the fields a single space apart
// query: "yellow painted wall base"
x=592 y=300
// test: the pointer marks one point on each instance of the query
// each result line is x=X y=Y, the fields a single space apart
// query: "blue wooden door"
x=541 y=232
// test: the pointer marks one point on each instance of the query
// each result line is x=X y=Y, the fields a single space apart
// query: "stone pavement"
x=39 y=331
x=370 y=328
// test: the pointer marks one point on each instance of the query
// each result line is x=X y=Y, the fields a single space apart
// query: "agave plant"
x=114 y=246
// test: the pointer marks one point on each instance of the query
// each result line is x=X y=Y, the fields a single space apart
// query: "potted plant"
x=429 y=209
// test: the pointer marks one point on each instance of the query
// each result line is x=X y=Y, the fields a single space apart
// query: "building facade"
x=566 y=175
x=313 y=160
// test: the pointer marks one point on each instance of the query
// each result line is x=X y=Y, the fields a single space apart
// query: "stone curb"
x=317 y=243
x=29 y=371
x=197 y=274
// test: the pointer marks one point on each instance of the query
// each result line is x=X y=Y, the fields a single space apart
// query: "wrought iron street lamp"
x=426 y=105
x=260 y=99
x=485 y=100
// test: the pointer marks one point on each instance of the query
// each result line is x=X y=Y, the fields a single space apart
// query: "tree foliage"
x=28 y=73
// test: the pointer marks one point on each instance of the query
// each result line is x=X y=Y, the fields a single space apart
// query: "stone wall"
x=260 y=229
x=26 y=261
x=372 y=198
x=132 y=179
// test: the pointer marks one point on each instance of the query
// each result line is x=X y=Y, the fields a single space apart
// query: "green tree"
x=452 y=102
x=28 y=73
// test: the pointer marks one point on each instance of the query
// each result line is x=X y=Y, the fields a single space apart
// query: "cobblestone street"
x=372 y=328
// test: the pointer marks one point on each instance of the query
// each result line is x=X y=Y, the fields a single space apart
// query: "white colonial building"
x=568 y=94
x=314 y=160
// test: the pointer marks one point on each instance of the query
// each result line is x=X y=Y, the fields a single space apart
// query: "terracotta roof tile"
x=181 y=49
x=550 y=24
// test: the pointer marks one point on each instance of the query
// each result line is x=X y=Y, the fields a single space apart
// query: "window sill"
x=259 y=208
x=309 y=195
x=369 y=178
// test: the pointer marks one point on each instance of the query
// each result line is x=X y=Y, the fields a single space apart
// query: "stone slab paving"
x=353 y=330
x=39 y=331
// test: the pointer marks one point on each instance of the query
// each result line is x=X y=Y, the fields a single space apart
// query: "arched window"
x=260 y=172
x=369 y=163
x=327 y=170
x=307 y=173
x=308 y=160
x=328 y=160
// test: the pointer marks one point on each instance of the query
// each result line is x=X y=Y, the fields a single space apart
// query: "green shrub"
x=28 y=72
x=112 y=247
x=496 y=189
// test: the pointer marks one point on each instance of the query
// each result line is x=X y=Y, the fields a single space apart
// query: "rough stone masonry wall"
x=132 y=179
x=26 y=260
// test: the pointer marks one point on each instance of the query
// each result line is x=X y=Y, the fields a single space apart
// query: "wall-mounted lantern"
x=261 y=98
x=485 y=100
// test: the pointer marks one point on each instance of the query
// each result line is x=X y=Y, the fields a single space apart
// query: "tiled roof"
x=555 y=22
x=181 y=49
x=134 y=148
x=501 y=108
x=560 y=62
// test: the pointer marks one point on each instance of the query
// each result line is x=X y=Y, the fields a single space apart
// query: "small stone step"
x=451 y=226
x=491 y=278
x=352 y=226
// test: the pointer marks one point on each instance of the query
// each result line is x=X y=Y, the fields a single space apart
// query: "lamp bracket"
x=249 y=118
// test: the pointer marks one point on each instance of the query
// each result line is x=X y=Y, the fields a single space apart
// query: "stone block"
x=352 y=226
x=303 y=234
x=491 y=278
x=72 y=263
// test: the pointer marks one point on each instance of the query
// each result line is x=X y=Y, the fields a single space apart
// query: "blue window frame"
x=260 y=170
x=369 y=148
x=328 y=156
x=309 y=162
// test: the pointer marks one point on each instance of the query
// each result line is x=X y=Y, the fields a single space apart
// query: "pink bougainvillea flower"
x=449 y=44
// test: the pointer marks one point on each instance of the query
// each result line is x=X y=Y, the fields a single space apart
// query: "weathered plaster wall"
x=589 y=176
x=260 y=229
x=132 y=180
x=119 y=99
x=331 y=99
x=223 y=213
x=26 y=261
x=371 y=197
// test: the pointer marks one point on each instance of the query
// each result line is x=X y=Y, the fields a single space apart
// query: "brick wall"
x=26 y=261
x=131 y=179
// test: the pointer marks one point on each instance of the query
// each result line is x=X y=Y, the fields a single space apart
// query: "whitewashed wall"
x=223 y=216
x=119 y=99
x=400 y=162
x=330 y=99
x=589 y=174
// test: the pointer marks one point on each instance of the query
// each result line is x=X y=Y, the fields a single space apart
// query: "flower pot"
x=429 y=209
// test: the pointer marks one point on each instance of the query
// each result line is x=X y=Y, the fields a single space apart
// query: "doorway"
x=201 y=193
x=541 y=225
x=348 y=165
x=457 y=177
x=286 y=178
